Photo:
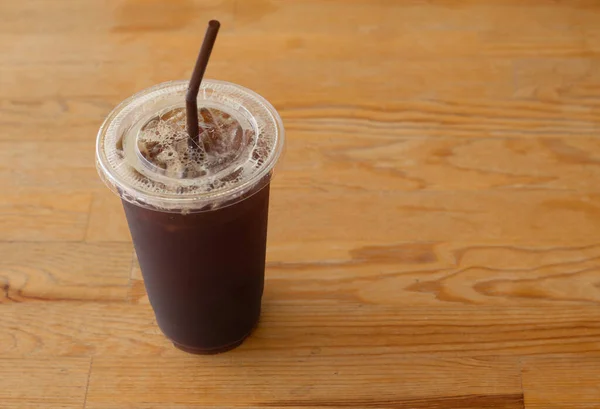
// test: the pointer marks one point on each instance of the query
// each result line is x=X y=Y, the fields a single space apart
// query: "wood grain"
x=287 y=327
x=434 y=274
x=64 y=271
x=27 y=118
x=484 y=216
x=380 y=163
x=46 y=167
x=434 y=232
x=561 y=381
x=48 y=383
x=433 y=216
x=29 y=216
x=107 y=219
x=67 y=16
x=312 y=380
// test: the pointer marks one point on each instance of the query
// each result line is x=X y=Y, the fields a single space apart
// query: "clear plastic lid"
x=144 y=155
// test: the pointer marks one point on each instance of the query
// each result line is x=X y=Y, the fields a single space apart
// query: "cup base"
x=211 y=351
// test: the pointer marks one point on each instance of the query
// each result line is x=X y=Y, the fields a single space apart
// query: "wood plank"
x=503 y=216
x=179 y=47
x=436 y=274
x=316 y=379
x=367 y=163
x=485 y=217
x=319 y=321
x=451 y=118
x=26 y=131
x=55 y=383
x=468 y=78
x=115 y=80
x=49 y=166
x=372 y=163
x=28 y=216
x=64 y=271
x=182 y=15
x=429 y=274
x=54 y=119
x=509 y=16
x=561 y=382
x=331 y=115
x=68 y=16
x=549 y=44
x=79 y=329
x=107 y=220
x=554 y=80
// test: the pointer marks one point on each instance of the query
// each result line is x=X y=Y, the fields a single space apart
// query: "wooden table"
x=435 y=225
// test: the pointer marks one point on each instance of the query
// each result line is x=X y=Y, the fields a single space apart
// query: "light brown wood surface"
x=434 y=237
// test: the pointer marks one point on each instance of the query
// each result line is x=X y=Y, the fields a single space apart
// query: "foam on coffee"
x=223 y=143
x=150 y=162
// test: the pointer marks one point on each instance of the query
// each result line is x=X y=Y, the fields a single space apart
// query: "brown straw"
x=191 y=104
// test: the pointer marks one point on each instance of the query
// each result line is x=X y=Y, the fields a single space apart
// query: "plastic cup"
x=199 y=234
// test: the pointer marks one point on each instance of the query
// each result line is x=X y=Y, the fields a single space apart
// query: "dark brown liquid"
x=204 y=272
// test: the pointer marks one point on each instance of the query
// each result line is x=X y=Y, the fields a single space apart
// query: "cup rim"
x=172 y=202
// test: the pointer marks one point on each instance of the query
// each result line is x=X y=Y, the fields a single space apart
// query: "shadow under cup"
x=200 y=237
